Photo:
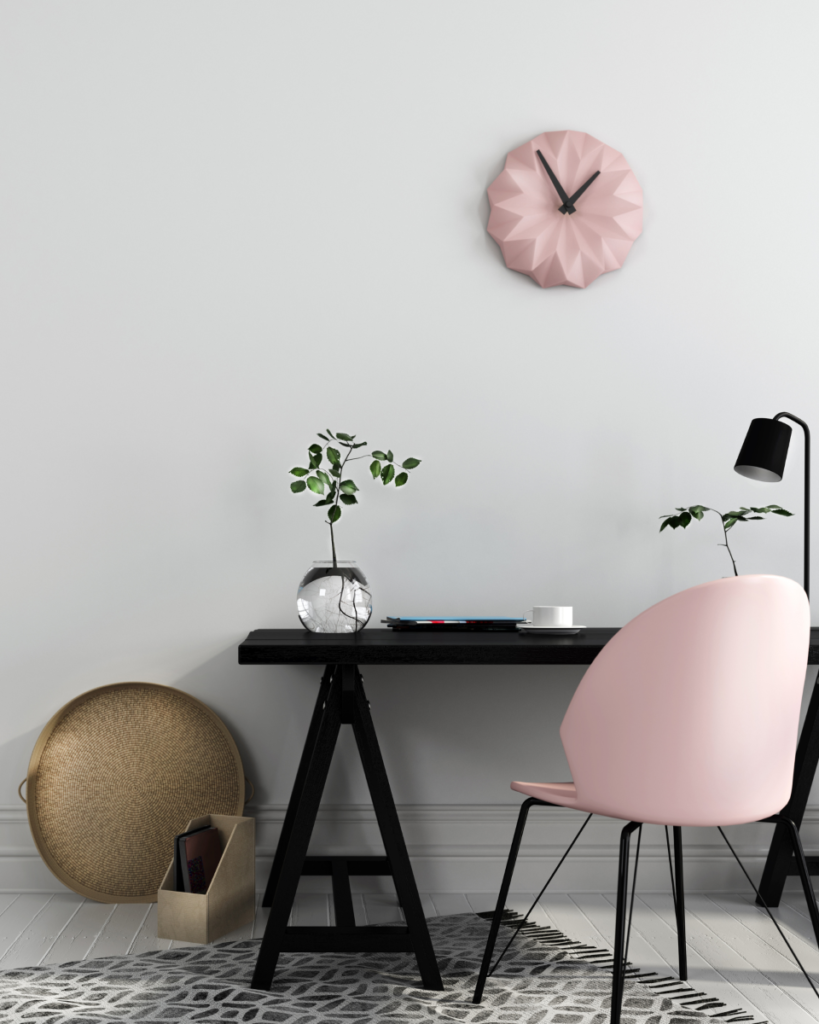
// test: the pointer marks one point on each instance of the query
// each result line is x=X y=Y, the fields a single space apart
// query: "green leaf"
x=349 y=499
x=749 y=518
x=298 y=471
x=335 y=470
x=331 y=433
x=728 y=523
x=375 y=469
x=298 y=485
x=697 y=511
x=387 y=473
x=685 y=519
x=361 y=444
x=345 y=437
x=315 y=460
x=781 y=512
x=323 y=477
x=389 y=456
x=348 y=487
x=401 y=479
x=326 y=501
x=666 y=523
x=379 y=455
x=315 y=485
x=324 y=436
x=333 y=455
x=315 y=449
x=334 y=514
x=410 y=463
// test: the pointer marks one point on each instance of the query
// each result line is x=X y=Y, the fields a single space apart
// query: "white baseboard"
x=463 y=848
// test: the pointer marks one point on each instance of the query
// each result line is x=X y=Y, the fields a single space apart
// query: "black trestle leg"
x=298 y=787
x=341 y=701
x=680 y=903
x=804 y=873
x=504 y=892
x=804 y=770
x=304 y=816
x=619 y=967
x=390 y=827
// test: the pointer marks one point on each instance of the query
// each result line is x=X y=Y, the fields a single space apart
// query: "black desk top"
x=388 y=647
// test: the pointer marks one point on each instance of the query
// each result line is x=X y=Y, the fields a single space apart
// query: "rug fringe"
x=681 y=993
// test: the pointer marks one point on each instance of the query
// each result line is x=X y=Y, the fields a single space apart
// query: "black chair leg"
x=791 y=830
x=619 y=968
x=504 y=892
x=804 y=874
x=679 y=906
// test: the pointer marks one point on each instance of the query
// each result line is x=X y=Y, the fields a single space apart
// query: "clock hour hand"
x=567 y=203
x=581 y=190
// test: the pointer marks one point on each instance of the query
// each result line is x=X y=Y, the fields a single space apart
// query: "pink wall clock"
x=566 y=208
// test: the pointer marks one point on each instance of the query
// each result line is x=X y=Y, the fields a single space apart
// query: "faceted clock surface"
x=565 y=209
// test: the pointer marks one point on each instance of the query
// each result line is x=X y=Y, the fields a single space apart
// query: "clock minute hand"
x=581 y=190
x=567 y=204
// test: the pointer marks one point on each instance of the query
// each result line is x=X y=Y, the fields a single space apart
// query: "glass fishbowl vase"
x=334 y=598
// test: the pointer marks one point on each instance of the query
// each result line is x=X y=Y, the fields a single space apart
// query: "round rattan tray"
x=116 y=774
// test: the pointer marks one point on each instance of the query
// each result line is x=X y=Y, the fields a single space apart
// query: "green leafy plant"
x=728 y=520
x=332 y=485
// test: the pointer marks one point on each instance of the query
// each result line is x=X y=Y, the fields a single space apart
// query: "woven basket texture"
x=116 y=775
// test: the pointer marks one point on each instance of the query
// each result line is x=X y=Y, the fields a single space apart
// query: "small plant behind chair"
x=728 y=520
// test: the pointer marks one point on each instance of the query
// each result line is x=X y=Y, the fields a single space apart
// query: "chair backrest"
x=689 y=715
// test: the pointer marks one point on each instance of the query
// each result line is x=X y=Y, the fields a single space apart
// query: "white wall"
x=227 y=226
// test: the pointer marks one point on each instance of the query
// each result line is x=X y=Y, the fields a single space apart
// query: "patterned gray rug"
x=544 y=979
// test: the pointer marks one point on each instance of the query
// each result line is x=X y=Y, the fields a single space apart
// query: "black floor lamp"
x=763 y=457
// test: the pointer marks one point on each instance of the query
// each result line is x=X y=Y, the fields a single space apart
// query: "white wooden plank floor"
x=734 y=952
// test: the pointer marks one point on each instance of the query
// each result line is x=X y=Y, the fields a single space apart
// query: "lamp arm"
x=805 y=428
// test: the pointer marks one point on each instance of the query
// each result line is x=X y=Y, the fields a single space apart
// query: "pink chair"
x=688 y=716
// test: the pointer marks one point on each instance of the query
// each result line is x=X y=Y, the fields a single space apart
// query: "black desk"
x=342 y=701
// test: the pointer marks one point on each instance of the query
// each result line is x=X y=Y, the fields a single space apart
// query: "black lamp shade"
x=763 y=454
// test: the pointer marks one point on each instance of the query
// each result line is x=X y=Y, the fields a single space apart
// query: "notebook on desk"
x=452 y=624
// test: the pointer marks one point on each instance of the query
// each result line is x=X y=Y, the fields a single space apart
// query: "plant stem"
x=725 y=545
x=727 y=548
x=335 y=503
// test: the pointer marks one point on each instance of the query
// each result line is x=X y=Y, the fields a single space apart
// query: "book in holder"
x=196 y=857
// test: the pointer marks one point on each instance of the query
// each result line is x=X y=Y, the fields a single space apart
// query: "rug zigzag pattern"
x=545 y=977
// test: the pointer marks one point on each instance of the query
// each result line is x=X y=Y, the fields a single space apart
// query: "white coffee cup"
x=551 y=616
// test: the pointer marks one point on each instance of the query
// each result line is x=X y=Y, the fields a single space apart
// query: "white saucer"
x=527 y=627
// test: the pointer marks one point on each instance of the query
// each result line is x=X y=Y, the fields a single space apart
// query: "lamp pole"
x=806 y=430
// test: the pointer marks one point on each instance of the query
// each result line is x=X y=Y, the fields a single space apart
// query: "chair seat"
x=563 y=793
